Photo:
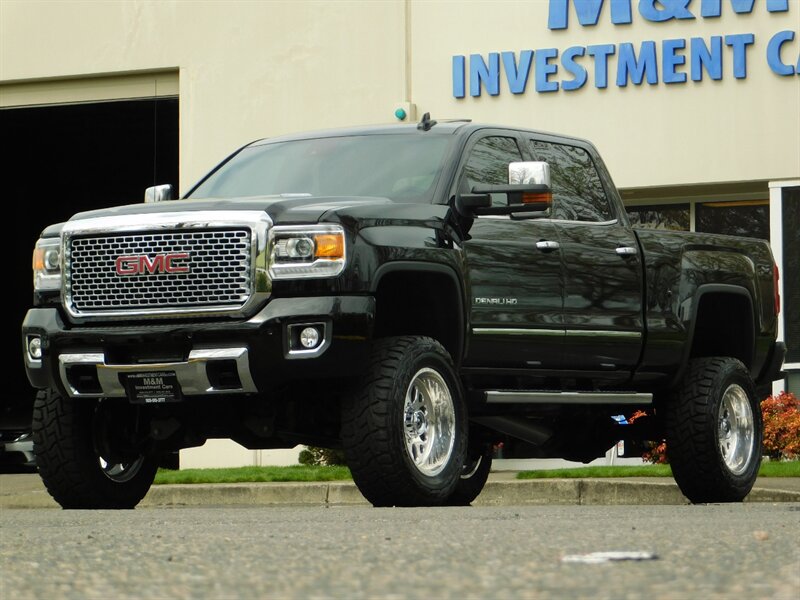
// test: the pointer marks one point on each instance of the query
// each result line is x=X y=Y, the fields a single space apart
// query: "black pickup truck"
x=412 y=294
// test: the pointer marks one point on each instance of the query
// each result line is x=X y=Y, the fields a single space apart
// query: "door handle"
x=626 y=250
x=547 y=246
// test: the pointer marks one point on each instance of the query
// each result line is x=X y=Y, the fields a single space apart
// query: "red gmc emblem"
x=160 y=263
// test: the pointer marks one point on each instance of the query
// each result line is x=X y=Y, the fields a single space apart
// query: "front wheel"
x=404 y=429
x=473 y=476
x=714 y=431
x=79 y=450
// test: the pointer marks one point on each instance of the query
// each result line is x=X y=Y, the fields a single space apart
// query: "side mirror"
x=158 y=193
x=528 y=191
x=529 y=173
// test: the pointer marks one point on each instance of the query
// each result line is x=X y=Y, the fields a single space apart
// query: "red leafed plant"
x=656 y=452
x=781 y=416
x=781 y=426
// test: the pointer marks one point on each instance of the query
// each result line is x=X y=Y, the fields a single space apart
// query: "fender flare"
x=410 y=266
x=702 y=290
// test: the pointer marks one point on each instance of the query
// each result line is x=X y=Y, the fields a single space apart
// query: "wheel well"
x=724 y=327
x=420 y=303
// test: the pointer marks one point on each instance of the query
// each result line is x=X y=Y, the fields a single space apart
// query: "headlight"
x=47 y=264
x=300 y=252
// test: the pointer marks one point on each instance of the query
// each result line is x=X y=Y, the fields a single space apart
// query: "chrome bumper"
x=192 y=375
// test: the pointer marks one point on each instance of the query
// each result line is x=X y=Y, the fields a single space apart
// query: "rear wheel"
x=714 y=432
x=81 y=456
x=404 y=430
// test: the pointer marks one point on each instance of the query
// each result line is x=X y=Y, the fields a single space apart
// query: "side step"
x=591 y=398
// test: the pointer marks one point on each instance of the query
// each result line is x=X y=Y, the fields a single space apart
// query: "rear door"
x=514 y=270
x=602 y=265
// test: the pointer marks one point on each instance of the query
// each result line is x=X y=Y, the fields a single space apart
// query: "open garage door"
x=59 y=160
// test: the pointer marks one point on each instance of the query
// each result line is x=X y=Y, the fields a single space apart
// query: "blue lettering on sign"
x=458 y=76
x=657 y=11
x=517 y=74
x=671 y=60
x=774 y=54
x=739 y=43
x=601 y=52
x=630 y=66
x=544 y=69
x=480 y=72
x=704 y=58
x=681 y=59
x=573 y=68
x=588 y=12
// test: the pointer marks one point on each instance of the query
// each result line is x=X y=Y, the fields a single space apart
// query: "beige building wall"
x=250 y=69
x=246 y=69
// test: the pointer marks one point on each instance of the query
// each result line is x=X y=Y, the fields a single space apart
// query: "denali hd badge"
x=160 y=263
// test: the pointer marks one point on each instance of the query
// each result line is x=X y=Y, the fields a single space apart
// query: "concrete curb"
x=534 y=492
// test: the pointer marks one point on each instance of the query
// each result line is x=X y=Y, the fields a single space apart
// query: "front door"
x=514 y=272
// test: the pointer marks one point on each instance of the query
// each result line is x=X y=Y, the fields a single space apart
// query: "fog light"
x=35 y=347
x=309 y=337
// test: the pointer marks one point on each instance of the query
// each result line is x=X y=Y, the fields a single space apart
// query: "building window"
x=790 y=276
x=748 y=218
x=674 y=217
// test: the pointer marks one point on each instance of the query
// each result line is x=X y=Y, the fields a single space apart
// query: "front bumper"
x=219 y=357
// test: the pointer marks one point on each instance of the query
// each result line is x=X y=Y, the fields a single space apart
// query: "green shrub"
x=313 y=455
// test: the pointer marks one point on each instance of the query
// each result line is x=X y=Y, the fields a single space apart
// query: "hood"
x=281 y=209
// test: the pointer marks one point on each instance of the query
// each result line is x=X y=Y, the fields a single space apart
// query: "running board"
x=593 y=398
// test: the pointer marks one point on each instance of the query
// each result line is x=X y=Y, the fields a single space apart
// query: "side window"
x=578 y=194
x=488 y=164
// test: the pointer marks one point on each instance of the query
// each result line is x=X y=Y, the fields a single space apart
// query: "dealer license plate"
x=154 y=387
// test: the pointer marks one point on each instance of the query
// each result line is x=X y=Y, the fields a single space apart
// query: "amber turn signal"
x=329 y=245
x=534 y=197
x=38 y=259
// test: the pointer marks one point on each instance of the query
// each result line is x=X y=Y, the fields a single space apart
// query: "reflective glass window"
x=578 y=194
x=673 y=217
x=749 y=218
x=488 y=163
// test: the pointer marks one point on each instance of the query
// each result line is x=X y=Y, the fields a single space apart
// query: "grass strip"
x=319 y=473
x=768 y=469
x=582 y=472
x=254 y=474
x=789 y=468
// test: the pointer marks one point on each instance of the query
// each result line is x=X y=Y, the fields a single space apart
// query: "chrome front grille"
x=150 y=272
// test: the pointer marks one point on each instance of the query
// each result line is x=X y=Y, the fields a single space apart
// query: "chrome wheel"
x=429 y=421
x=471 y=467
x=736 y=429
x=121 y=472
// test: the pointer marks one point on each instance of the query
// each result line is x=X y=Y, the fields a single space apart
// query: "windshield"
x=403 y=168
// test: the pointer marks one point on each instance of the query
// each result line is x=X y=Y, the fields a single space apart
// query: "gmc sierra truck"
x=412 y=294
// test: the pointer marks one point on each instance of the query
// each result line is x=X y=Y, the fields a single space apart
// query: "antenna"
x=426 y=123
x=155 y=130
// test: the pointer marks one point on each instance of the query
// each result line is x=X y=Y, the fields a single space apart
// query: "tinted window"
x=790 y=276
x=488 y=163
x=674 y=217
x=578 y=194
x=748 y=218
x=404 y=168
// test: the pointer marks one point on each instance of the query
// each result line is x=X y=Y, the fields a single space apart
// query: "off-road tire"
x=696 y=419
x=374 y=425
x=69 y=464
